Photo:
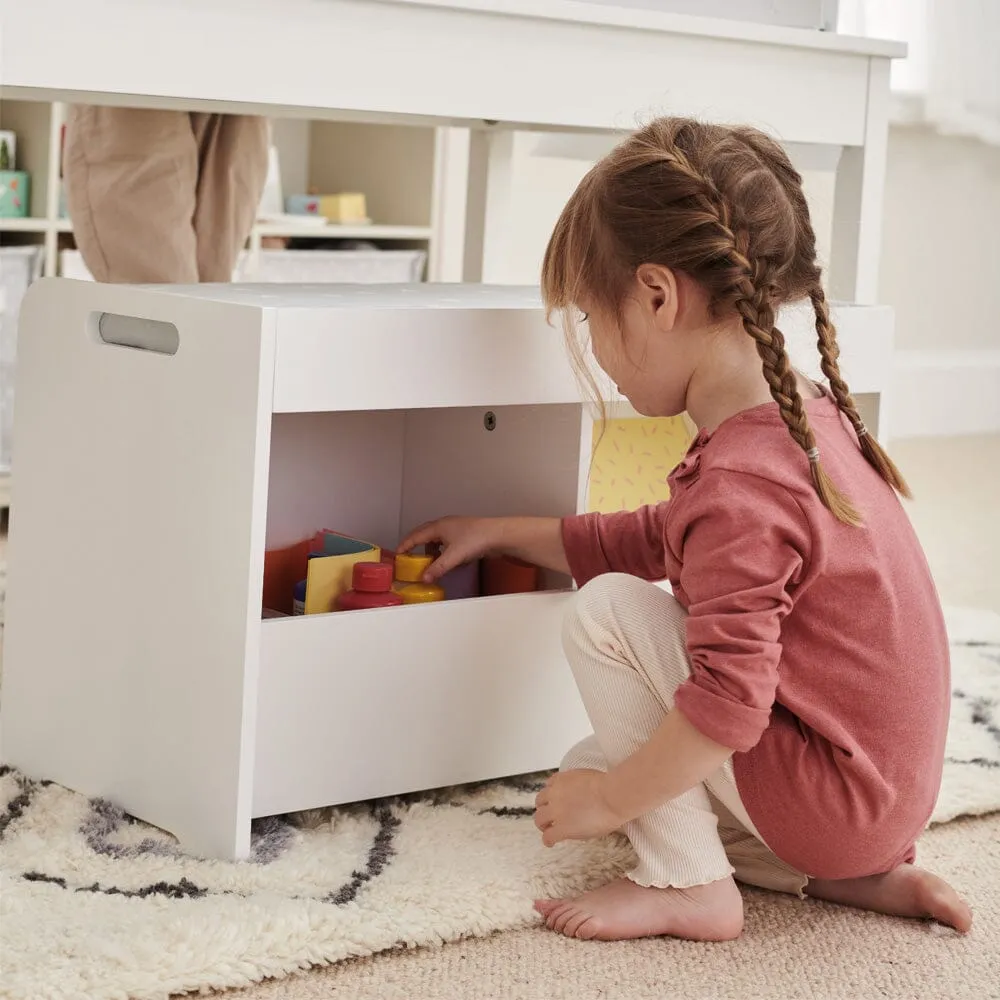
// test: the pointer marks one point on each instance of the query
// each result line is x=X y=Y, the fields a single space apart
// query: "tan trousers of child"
x=162 y=196
x=625 y=640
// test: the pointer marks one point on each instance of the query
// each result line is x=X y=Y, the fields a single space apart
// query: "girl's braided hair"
x=724 y=206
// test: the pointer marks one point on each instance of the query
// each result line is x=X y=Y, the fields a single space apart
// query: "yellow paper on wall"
x=632 y=458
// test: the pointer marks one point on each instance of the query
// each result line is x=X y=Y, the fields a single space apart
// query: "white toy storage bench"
x=151 y=478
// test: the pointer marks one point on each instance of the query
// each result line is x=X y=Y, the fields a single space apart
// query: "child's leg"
x=907 y=891
x=619 y=621
x=753 y=861
x=625 y=643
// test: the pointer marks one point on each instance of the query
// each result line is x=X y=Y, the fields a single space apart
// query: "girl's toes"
x=561 y=917
x=579 y=919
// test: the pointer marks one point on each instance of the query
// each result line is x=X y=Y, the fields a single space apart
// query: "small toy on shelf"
x=345 y=209
x=371 y=587
x=309 y=576
x=460 y=583
x=410 y=569
x=507 y=575
x=15 y=185
x=8 y=149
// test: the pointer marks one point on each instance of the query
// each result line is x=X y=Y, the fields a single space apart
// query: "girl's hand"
x=463 y=539
x=574 y=805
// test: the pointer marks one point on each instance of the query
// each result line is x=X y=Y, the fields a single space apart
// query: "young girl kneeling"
x=782 y=716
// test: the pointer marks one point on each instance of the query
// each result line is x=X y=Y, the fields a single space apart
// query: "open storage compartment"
x=470 y=682
x=377 y=474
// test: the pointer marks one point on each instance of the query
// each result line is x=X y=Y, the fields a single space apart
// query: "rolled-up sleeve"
x=626 y=542
x=743 y=544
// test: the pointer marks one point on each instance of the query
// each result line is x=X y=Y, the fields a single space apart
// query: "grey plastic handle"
x=152 y=335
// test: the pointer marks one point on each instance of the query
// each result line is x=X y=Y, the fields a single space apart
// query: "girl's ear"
x=659 y=295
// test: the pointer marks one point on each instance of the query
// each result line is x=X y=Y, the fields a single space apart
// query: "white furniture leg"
x=858 y=201
x=449 y=199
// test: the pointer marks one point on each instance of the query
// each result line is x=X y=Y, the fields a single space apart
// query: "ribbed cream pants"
x=625 y=641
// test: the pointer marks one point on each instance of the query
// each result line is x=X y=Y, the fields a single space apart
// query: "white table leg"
x=858 y=201
x=449 y=204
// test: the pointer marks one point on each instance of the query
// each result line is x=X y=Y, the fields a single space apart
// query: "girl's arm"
x=625 y=542
x=537 y=540
x=584 y=546
x=675 y=759
x=581 y=804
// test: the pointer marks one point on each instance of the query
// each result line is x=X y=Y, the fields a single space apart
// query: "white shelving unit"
x=24 y=225
x=38 y=125
x=415 y=174
x=327 y=154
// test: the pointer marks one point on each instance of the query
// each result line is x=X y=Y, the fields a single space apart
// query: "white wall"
x=940 y=265
x=940 y=271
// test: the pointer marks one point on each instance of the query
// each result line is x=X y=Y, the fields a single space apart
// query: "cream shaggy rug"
x=97 y=906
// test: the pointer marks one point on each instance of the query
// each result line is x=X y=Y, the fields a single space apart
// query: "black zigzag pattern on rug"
x=18 y=805
x=983 y=712
x=184 y=889
x=271 y=836
x=380 y=854
x=509 y=811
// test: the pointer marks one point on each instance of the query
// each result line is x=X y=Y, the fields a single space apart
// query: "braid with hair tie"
x=725 y=206
x=755 y=303
x=829 y=351
x=775 y=159
x=757 y=312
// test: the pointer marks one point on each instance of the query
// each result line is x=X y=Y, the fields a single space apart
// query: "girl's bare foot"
x=905 y=892
x=622 y=909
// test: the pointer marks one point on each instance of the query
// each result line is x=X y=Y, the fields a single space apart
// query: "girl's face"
x=648 y=352
x=668 y=354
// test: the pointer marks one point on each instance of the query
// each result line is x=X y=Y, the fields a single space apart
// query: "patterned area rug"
x=97 y=905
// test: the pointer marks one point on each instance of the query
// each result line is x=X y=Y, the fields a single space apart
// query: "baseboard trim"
x=945 y=393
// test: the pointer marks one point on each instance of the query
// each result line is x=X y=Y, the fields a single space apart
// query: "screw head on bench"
x=490 y=420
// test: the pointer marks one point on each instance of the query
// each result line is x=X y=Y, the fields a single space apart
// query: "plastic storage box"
x=341 y=266
x=71 y=265
x=19 y=267
x=303 y=266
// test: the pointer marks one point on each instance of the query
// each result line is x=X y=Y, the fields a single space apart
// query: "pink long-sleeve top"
x=818 y=651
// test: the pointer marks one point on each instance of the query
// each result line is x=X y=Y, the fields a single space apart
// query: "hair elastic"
x=813 y=454
x=862 y=431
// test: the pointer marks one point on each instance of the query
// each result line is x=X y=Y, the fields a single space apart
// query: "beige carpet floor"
x=791 y=950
